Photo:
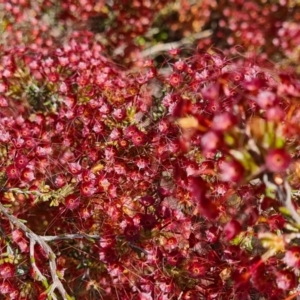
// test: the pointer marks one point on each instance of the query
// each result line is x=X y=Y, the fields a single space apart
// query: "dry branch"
x=284 y=196
x=154 y=50
x=36 y=239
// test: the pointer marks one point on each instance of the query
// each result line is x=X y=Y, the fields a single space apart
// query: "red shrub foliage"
x=174 y=176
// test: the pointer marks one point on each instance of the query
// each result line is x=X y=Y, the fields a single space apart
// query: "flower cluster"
x=178 y=182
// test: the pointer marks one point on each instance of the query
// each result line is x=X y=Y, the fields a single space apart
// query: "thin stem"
x=33 y=239
x=154 y=50
x=284 y=195
x=289 y=204
x=50 y=238
x=36 y=270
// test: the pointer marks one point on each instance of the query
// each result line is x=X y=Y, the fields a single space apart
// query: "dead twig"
x=36 y=239
x=156 y=49
x=284 y=195
x=50 y=238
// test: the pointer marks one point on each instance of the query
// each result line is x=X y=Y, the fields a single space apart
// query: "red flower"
x=12 y=172
x=292 y=257
x=7 y=270
x=232 y=229
x=72 y=202
x=196 y=269
x=147 y=201
x=278 y=160
x=131 y=233
x=231 y=171
x=286 y=280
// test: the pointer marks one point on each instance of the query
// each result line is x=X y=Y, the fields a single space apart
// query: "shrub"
x=175 y=177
